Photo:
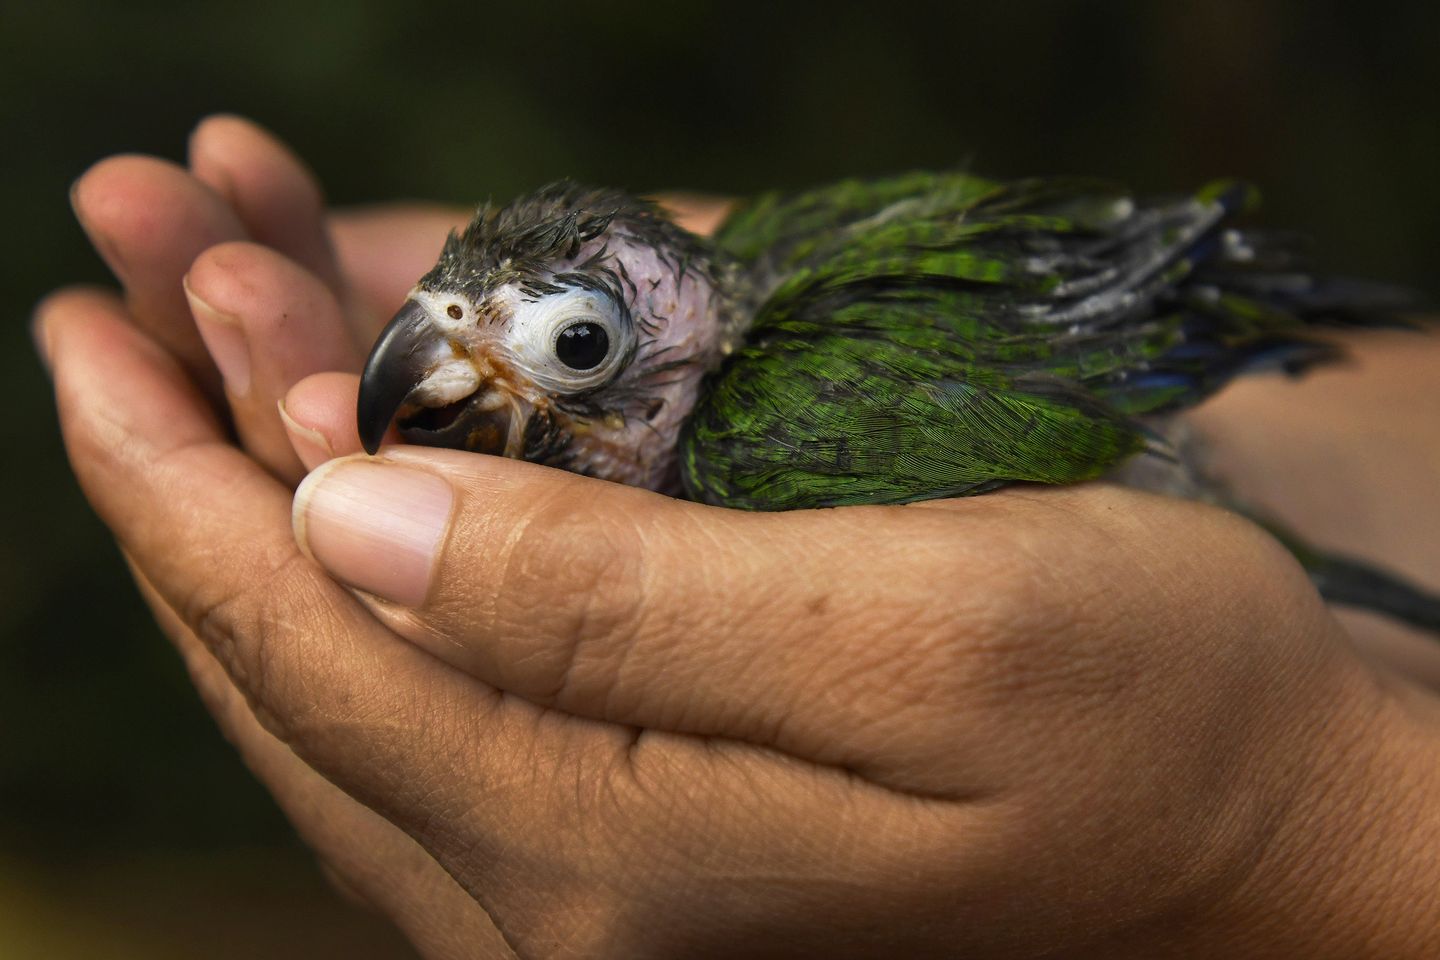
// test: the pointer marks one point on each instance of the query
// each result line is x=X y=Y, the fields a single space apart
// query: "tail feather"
x=1355 y=584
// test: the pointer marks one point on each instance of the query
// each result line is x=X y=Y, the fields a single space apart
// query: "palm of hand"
x=618 y=724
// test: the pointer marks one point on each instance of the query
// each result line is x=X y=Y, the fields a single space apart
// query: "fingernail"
x=225 y=341
x=374 y=525
x=310 y=445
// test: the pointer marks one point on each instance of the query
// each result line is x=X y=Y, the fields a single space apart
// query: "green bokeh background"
x=107 y=763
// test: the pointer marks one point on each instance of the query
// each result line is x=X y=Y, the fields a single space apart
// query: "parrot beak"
x=398 y=363
x=477 y=412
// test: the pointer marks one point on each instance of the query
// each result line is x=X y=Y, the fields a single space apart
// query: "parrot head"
x=571 y=327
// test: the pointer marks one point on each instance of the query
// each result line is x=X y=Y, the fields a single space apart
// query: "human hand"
x=246 y=199
x=1013 y=725
x=1347 y=457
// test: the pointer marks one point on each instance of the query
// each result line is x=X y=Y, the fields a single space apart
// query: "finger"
x=382 y=865
x=483 y=782
x=268 y=323
x=319 y=416
x=274 y=194
x=384 y=250
x=150 y=219
x=697 y=212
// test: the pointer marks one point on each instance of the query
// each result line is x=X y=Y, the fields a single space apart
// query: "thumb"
x=608 y=602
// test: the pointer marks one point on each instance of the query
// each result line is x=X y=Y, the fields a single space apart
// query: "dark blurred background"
x=125 y=821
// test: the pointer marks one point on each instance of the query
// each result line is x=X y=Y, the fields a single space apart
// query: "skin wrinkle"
x=425 y=829
x=1087 y=703
x=1072 y=836
x=699 y=848
x=871 y=865
x=1098 y=598
x=719 y=707
x=595 y=646
x=773 y=725
x=1354 y=739
x=555 y=897
x=600 y=643
x=894 y=683
x=706 y=826
x=195 y=609
x=618 y=629
x=1297 y=776
x=503 y=560
x=1035 y=654
x=643 y=619
x=379 y=887
x=103 y=435
x=466 y=853
x=1269 y=838
x=221 y=621
x=1361 y=809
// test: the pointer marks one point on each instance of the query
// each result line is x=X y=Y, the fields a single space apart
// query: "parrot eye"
x=570 y=342
x=454 y=311
x=582 y=346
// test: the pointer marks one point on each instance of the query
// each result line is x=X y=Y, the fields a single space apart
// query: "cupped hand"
x=166 y=232
x=1081 y=722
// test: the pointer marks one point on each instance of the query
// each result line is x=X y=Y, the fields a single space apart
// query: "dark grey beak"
x=396 y=366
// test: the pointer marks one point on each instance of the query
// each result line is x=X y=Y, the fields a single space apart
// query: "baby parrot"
x=880 y=341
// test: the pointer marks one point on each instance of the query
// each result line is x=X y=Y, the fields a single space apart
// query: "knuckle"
x=572 y=577
x=1024 y=619
x=1050 y=633
x=255 y=632
x=224 y=276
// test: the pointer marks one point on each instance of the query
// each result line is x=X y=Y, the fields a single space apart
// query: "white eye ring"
x=537 y=327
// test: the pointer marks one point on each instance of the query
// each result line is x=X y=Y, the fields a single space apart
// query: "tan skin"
x=1078 y=722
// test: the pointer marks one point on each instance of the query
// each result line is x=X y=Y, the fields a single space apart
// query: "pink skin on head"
x=684 y=314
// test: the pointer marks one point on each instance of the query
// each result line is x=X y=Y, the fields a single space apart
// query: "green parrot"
x=870 y=341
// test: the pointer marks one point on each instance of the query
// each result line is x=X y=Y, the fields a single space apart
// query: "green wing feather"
x=934 y=335
x=776 y=227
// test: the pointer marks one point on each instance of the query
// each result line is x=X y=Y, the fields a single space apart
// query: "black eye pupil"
x=582 y=346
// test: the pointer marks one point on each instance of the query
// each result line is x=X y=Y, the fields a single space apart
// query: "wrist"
x=1352 y=866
